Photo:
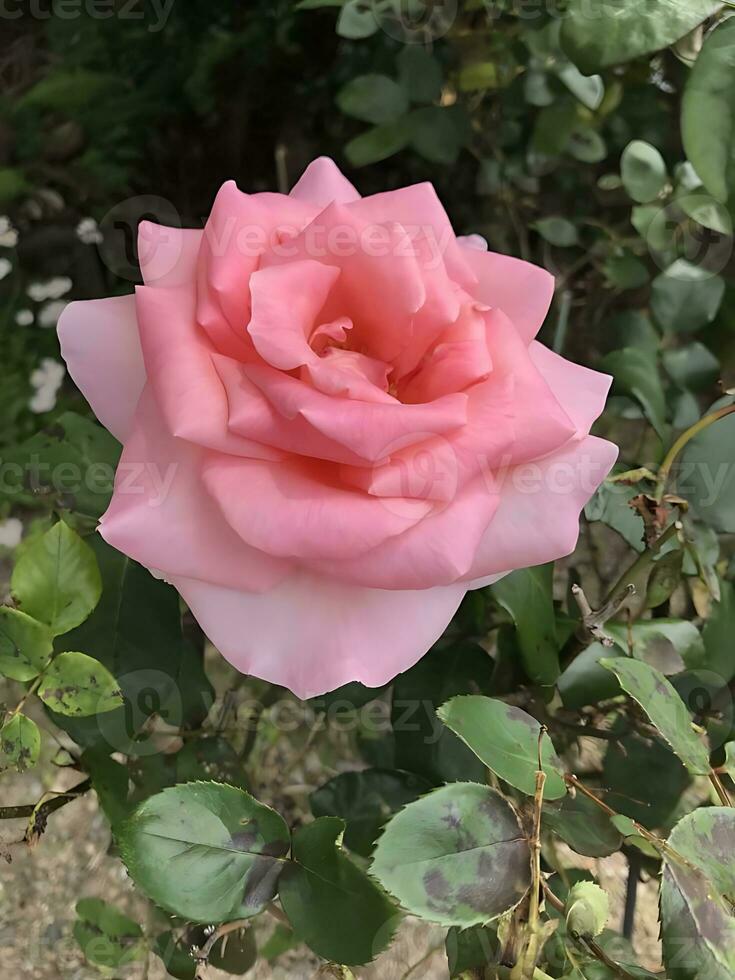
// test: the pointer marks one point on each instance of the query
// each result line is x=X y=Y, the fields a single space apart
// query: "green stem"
x=643 y=560
x=665 y=469
x=22 y=703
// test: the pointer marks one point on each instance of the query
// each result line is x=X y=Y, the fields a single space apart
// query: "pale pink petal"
x=323 y=183
x=101 y=346
x=474 y=241
x=168 y=256
x=418 y=209
x=179 y=362
x=540 y=502
x=581 y=392
x=291 y=509
x=521 y=290
x=312 y=635
x=162 y=516
x=253 y=416
x=438 y=550
x=285 y=303
x=348 y=374
x=371 y=430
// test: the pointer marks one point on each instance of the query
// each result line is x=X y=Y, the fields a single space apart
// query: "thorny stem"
x=670 y=458
x=661 y=845
x=599 y=954
x=224 y=930
x=643 y=559
x=526 y=966
x=720 y=789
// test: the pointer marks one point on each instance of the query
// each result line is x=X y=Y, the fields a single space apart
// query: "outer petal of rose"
x=538 y=517
x=371 y=430
x=178 y=359
x=101 y=346
x=168 y=256
x=312 y=634
x=291 y=510
x=521 y=290
x=286 y=301
x=438 y=550
x=162 y=516
x=582 y=393
x=323 y=183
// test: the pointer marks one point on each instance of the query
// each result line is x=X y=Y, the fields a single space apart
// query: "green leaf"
x=554 y=128
x=557 y=231
x=625 y=271
x=57 y=580
x=110 y=782
x=378 y=143
x=70 y=466
x=587 y=909
x=582 y=825
x=332 y=905
x=210 y=758
x=436 y=133
x=235 y=954
x=175 y=956
x=610 y=505
x=665 y=709
x=730 y=760
x=20 y=743
x=669 y=645
x=506 y=739
x=589 y=89
x=586 y=145
x=706 y=211
x=78 y=685
x=136 y=632
x=420 y=74
x=629 y=762
x=527 y=596
x=708 y=113
x=373 y=99
x=25 y=645
x=618 y=31
x=718 y=633
x=356 y=20
x=635 y=374
x=686 y=297
x=458 y=856
x=205 y=851
x=423 y=745
x=280 y=941
x=107 y=937
x=692 y=366
x=469 y=950
x=365 y=801
x=643 y=171
x=706 y=474
x=585 y=681
x=664 y=578
x=698 y=928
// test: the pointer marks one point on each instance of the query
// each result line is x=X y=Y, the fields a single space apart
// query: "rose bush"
x=336 y=421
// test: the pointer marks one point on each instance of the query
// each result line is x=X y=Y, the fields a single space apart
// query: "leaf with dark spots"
x=506 y=739
x=697 y=898
x=205 y=851
x=25 y=645
x=457 y=856
x=667 y=712
x=75 y=684
x=20 y=743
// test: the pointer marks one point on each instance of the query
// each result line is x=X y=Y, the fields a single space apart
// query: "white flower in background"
x=24 y=318
x=51 y=289
x=88 y=232
x=11 y=532
x=47 y=380
x=5 y=268
x=50 y=313
x=8 y=234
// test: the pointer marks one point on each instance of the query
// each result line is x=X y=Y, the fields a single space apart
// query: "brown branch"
x=38 y=814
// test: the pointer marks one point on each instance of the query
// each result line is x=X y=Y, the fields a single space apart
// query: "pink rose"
x=335 y=422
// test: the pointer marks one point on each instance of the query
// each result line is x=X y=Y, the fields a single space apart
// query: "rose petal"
x=521 y=290
x=162 y=516
x=168 y=256
x=292 y=510
x=323 y=183
x=101 y=346
x=312 y=635
x=538 y=517
x=582 y=393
